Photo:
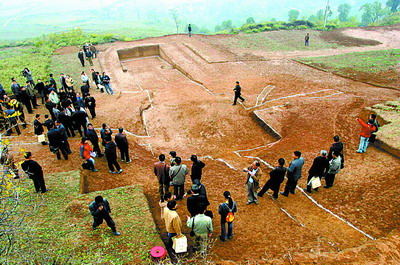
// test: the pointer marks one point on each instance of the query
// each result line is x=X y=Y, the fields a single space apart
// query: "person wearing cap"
x=178 y=173
x=161 y=171
x=366 y=130
x=277 y=176
x=197 y=168
x=318 y=169
x=172 y=221
x=253 y=177
x=293 y=173
x=334 y=168
x=34 y=172
x=196 y=202
x=202 y=228
x=100 y=210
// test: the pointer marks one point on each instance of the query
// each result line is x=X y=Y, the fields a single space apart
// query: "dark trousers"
x=112 y=163
x=96 y=147
x=329 y=179
x=270 y=185
x=78 y=126
x=64 y=151
x=34 y=103
x=308 y=180
x=223 y=230
x=163 y=188
x=290 y=186
x=179 y=191
x=70 y=130
x=92 y=112
x=28 y=105
x=236 y=97
x=124 y=153
x=39 y=184
x=99 y=220
x=82 y=62
x=10 y=124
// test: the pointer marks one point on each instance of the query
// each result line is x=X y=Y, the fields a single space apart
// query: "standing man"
x=334 y=168
x=238 y=93
x=56 y=143
x=294 y=173
x=123 y=145
x=366 y=130
x=81 y=56
x=173 y=223
x=277 y=176
x=62 y=81
x=106 y=82
x=173 y=156
x=197 y=168
x=79 y=118
x=196 y=202
x=90 y=103
x=89 y=55
x=38 y=127
x=318 y=169
x=336 y=146
x=100 y=210
x=31 y=94
x=34 y=172
x=178 y=174
x=253 y=177
x=307 y=39
x=52 y=81
x=95 y=78
x=40 y=88
x=26 y=100
x=161 y=170
x=94 y=139
x=111 y=155
x=202 y=228
x=190 y=30
x=16 y=89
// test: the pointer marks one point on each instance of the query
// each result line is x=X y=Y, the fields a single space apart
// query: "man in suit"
x=38 y=127
x=123 y=145
x=277 y=176
x=197 y=168
x=253 y=177
x=238 y=93
x=90 y=103
x=111 y=155
x=56 y=143
x=318 y=169
x=34 y=172
x=81 y=56
x=294 y=173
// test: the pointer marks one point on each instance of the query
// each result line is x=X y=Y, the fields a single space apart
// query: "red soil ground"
x=306 y=107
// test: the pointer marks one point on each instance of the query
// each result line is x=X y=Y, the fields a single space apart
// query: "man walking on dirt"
x=238 y=93
x=307 y=39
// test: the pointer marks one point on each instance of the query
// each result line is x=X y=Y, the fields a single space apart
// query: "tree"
x=344 y=10
x=293 y=14
x=175 y=16
x=217 y=28
x=250 y=20
x=372 y=12
x=320 y=15
x=393 y=5
x=227 y=24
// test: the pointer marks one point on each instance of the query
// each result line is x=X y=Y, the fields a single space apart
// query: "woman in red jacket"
x=86 y=153
x=367 y=129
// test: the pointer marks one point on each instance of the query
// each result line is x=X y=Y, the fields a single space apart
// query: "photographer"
x=100 y=210
x=28 y=75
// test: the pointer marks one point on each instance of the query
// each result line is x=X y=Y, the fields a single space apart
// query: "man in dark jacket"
x=123 y=146
x=90 y=103
x=64 y=136
x=197 y=168
x=26 y=100
x=111 y=155
x=85 y=89
x=100 y=210
x=34 y=172
x=67 y=122
x=50 y=106
x=16 y=89
x=53 y=82
x=48 y=123
x=277 y=176
x=38 y=127
x=56 y=143
x=94 y=139
x=95 y=78
x=338 y=147
x=39 y=87
x=161 y=170
x=196 y=202
x=294 y=173
x=81 y=56
x=318 y=169
x=89 y=56
x=238 y=93
x=79 y=118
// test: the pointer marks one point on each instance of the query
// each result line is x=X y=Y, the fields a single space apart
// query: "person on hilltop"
x=34 y=172
x=197 y=168
x=318 y=169
x=111 y=156
x=190 y=30
x=81 y=56
x=202 y=227
x=253 y=177
x=123 y=145
x=100 y=210
x=85 y=151
x=161 y=171
x=178 y=173
x=366 y=131
x=277 y=176
x=28 y=75
x=224 y=209
x=238 y=93
x=94 y=51
x=336 y=146
x=293 y=173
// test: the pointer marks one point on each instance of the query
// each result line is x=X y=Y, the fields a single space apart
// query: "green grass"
x=283 y=40
x=367 y=62
x=61 y=228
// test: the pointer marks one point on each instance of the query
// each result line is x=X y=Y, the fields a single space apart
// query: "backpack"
x=229 y=217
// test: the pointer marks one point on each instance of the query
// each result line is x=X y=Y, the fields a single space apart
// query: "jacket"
x=178 y=174
x=32 y=169
x=256 y=177
x=338 y=147
x=237 y=90
x=38 y=127
x=121 y=140
x=319 y=166
x=94 y=209
x=55 y=138
x=197 y=169
x=223 y=210
x=92 y=136
x=277 y=175
x=173 y=223
x=294 y=170
x=161 y=170
x=54 y=98
x=84 y=151
x=334 y=165
x=195 y=202
x=366 y=129
x=202 y=225
x=111 y=151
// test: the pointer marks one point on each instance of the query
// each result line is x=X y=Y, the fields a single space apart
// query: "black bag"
x=372 y=138
x=192 y=232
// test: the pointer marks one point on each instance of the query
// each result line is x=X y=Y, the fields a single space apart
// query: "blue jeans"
x=108 y=88
x=362 y=148
x=223 y=230
x=170 y=236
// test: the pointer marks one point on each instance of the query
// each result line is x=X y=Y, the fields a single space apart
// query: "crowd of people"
x=68 y=114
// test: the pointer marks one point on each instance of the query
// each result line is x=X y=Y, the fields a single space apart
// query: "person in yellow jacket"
x=173 y=223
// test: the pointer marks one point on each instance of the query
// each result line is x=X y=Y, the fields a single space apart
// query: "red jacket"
x=366 y=128
x=85 y=150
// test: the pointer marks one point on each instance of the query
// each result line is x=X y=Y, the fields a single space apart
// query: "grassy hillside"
x=61 y=230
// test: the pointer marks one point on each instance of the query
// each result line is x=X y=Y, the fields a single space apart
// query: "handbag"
x=179 y=244
x=41 y=138
x=93 y=154
x=314 y=182
x=192 y=232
